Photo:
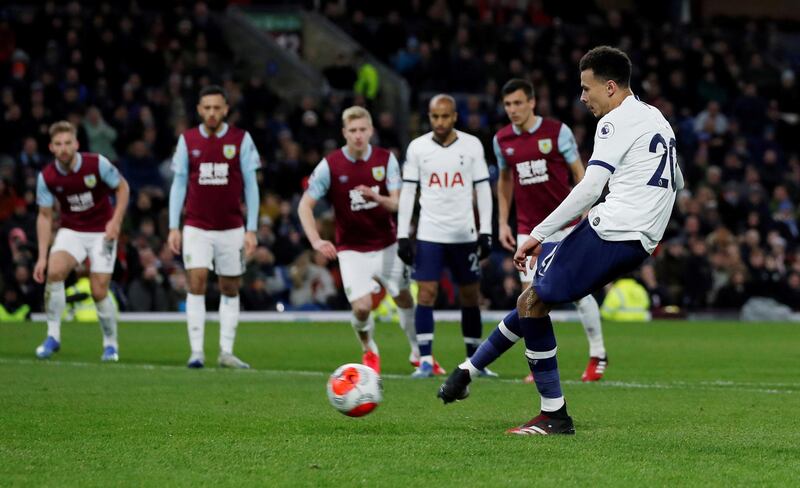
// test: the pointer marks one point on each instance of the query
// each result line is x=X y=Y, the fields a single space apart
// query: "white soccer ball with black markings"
x=355 y=390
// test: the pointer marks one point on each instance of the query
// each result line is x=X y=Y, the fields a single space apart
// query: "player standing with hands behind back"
x=213 y=164
x=447 y=164
x=82 y=183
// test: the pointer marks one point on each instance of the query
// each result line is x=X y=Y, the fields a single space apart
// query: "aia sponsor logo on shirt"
x=446 y=180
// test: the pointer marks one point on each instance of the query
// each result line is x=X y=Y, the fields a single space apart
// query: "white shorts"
x=101 y=253
x=218 y=250
x=527 y=276
x=361 y=269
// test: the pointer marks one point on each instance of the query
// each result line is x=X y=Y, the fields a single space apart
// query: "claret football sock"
x=55 y=303
x=196 y=320
x=505 y=335
x=471 y=328
x=228 y=321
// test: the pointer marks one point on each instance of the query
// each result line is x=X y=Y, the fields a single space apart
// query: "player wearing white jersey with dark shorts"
x=449 y=166
x=634 y=152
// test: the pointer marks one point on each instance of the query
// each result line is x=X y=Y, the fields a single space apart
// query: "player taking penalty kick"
x=82 y=184
x=362 y=183
x=536 y=157
x=214 y=164
x=634 y=152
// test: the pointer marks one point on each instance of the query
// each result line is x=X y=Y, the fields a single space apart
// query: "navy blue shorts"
x=461 y=259
x=583 y=263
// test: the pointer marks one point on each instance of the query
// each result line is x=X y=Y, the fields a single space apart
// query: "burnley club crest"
x=545 y=146
x=379 y=173
x=229 y=150
x=90 y=181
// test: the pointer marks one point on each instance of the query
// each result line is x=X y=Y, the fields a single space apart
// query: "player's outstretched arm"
x=305 y=210
x=44 y=226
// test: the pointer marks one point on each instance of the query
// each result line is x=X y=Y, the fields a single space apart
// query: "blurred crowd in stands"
x=129 y=82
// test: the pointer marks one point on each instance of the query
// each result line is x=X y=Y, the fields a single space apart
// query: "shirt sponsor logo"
x=215 y=174
x=379 y=173
x=358 y=202
x=80 y=202
x=229 y=150
x=545 y=145
x=606 y=130
x=446 y=180
x=532 y=172
x=90 y=181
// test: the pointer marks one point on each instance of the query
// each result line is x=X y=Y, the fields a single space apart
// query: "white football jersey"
x=636 y=143
x=446 y=176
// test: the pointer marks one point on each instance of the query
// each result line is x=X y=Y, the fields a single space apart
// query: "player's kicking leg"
x=364 y=326
x=59 y=264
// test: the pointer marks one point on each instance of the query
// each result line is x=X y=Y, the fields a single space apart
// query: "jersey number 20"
x=656 y=179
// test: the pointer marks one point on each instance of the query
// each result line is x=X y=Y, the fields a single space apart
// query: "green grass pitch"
x=682 y=404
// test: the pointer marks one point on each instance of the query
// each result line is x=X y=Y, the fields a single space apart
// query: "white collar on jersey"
x=75 y=169
x=352 y=159
x=220 y=133
x=532 y=129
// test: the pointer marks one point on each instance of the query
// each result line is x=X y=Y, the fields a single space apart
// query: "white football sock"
x=407 y=324
x=228 y=321
x=589 y=313
x=107 y=316
x=365 y=333
x=196 y=320
x=55 y=303
x=552 y=404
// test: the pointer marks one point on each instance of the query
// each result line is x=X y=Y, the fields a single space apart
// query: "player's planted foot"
x=227 y=360
x=546 y=423
x=437 y=369
x=425 y=370
x=47 y=348
x=196 y=360
x=110 y=355
x=456 y=387
x=372 y=360
x=595 y=369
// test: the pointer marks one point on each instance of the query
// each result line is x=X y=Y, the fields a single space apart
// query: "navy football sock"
x=505 y=335
x=471 y=328
x=423 y=320
x=540 y=350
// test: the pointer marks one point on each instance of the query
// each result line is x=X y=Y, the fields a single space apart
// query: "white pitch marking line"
x=718 y=385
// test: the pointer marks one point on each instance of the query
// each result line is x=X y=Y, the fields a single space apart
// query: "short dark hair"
x=213 y=90
x=515 y=84
x=608 y=63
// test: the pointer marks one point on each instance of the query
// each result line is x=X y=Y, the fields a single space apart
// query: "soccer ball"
x=355 y=390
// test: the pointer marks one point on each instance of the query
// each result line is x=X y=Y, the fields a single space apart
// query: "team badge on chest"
x=379 y=173
x=229 y=150
x=90 y=181
x=545 y=146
